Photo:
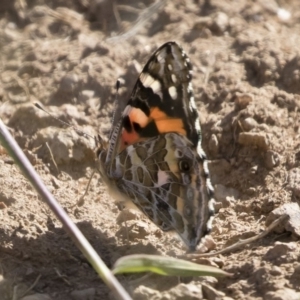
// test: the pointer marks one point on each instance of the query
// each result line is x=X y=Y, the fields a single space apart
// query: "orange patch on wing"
x=163 y=123
x=128 y=138
x=170 y=125
x=156 y=113
x=166 y=124
x=138 y=116
x=135 y=115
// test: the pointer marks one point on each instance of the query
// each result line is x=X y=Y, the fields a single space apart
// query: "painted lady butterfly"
x=154 y=157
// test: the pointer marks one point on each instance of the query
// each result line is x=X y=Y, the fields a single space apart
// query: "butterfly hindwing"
x=162 y=176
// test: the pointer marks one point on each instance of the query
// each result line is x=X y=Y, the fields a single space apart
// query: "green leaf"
x=164 y=265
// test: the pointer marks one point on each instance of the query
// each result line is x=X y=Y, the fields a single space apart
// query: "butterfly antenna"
x=37 y=105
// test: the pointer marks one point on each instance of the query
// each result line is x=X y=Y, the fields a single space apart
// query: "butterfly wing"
x=162 y=99
x=143 y=162
x=164 y=179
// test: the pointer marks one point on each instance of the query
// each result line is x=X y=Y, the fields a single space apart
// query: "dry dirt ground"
x=246 y=63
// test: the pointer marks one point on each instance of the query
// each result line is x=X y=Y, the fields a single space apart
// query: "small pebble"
x=211 y=293
x=271 y=159
x=296 y=275
x=283 y=294
x=184 y=291
x=222 y=192
x=248 y=124
x=242 y=100
x=254 y=139
x=294 y=181
x=85 y=95
x=276 y=271
x=292 y=223
x=144 y=293
x=220 y=23
x=127 y=215
x=86 y=294
x=279 y=250
x=68 y=83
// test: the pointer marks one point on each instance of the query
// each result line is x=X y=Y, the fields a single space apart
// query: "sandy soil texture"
x=67 y=55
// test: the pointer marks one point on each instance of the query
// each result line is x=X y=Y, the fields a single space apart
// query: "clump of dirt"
x=67 y=56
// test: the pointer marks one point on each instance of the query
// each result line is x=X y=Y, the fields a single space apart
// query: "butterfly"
x=154 y=158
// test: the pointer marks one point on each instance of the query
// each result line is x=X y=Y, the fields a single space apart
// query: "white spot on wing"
x=162 y=178
x=149 y=82
x=209 y=185
x=127 y=110
x=197 y=125
x=156 y=87
x=173 y=92
x=161 y=57
x=211 y=204
x=174 y=79
x=200 y=151
x=147 y=79
x=205 y=167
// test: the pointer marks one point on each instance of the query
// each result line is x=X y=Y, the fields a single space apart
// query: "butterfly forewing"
x=162 y=99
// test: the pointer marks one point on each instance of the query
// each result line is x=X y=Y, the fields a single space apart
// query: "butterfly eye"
x=184 y=166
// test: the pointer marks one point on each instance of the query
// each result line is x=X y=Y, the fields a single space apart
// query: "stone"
x=248 y=124
x=224 y=194
x=68 y=83
x=183 y=291
x=291 y=224
x=127 y=215
x=144 y=293
x=296 y=274
x=37 y=297
x=279 y=250
x=220 y=23
x=85 y=95
x=242 y=100
x=86 y=294
x=294 y=181
x=254 y=139
x=283 y=294
x=271 y=159
x=276 y=271
x=211 y=293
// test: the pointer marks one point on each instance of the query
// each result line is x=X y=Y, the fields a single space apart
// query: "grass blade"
x=164 y=265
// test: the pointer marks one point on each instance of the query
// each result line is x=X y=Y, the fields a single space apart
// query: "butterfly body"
x=154 y=157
